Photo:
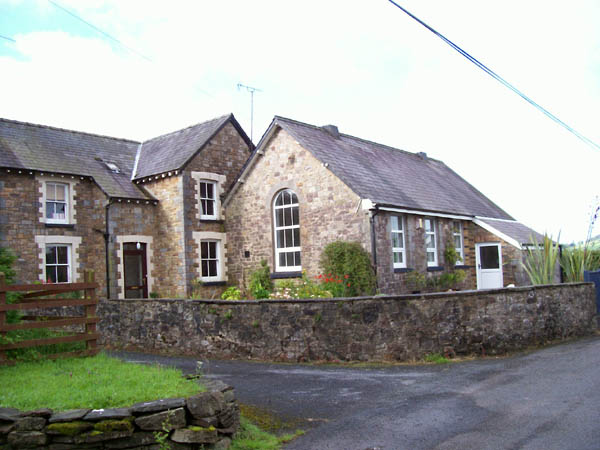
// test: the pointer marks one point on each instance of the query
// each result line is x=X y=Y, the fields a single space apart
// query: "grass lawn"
x=96 y=382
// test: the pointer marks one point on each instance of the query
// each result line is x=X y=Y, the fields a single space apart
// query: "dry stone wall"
x=207 y=421
x=394 y=328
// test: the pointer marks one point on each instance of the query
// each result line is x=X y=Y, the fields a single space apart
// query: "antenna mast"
x=252 y=90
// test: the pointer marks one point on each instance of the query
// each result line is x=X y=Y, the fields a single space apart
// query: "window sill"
x=60 y=225
x=212 y=221
x=281 y=275
x=463 y=266
x=435 y=269
x=403 y=270
x=214 y=283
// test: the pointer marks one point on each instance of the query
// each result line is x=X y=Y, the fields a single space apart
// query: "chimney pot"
x=332 y=130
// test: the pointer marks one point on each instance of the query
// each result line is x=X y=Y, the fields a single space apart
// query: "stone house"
x=306 y=186
x=145 y=216
x=202 y=203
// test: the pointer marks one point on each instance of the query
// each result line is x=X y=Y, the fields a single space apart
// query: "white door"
x=488 y=258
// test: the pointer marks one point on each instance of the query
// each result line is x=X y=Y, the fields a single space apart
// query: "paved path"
x=549 y=399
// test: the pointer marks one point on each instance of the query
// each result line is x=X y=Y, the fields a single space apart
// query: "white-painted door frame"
x=480 y=271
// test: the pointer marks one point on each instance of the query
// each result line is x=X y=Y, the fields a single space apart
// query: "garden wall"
x=207 y=420
x=396 y=328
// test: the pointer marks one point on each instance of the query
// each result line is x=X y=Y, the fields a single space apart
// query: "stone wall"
x=329 y=210
x=207 y=420
x=394 y=328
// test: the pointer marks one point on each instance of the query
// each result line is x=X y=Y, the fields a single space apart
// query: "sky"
x=361 y=65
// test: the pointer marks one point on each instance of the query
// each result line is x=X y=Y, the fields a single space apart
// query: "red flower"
x=348 y=284
x=329 y=275
x=346 y=276
x=339 y=281
x=320 y=275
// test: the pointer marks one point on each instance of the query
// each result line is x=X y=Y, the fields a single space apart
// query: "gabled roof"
x=47 y=149
x=522 y=234
x=172 y=151
x=388 y=176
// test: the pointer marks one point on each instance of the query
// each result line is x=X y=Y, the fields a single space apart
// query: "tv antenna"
x=252 y=90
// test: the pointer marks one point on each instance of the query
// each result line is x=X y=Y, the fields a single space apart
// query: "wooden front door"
x=134 y=264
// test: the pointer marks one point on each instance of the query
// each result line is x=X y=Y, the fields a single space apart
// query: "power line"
x=100 y=31
x=497 y=77
x=7 y=38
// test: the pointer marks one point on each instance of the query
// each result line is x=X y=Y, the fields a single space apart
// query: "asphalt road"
x=548 y=399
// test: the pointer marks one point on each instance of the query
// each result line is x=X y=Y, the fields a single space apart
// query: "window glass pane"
x=457 y=241
x=62 y=253
x=212 y=250
x=279 y=199
x=202 y=190
x=395 y=240
x=394 y=223
x=49 y=210
x=212 y=268
x=50 y=255
x=279 y=217
x=297 y=258
x=280 y=239
x=295 y=216
x=429 y=241
x=294 y=198
x=205 y=268
x=60 y=192
x=282 y=259
x=428 y=225
x=51 y=274
x=397 y=257
x=59 y=210
x=290 y=259
x=210 y=190
x=456 y=226
x=288 y=238
x=62 y=274
x=430 y=257
x=204 y=250
x=296 y=242
x=286 y=198
x=287 y=212
x=489 y=257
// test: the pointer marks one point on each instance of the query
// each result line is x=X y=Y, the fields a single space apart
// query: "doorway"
x=489 y=265
x=135 y=271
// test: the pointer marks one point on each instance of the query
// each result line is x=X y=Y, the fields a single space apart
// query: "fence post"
x=90 y=310
x=2 y=313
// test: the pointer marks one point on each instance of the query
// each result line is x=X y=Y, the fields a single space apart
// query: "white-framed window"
x=209 y=187
x=58 y=263
x=457 y=235
x=431 y=243
x=208 y=202
x=210 y=260
x=211 y=256
x=57 y=202
x=286 y=220
x=398 y=242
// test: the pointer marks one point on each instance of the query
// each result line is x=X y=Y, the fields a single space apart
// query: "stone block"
x=157 y=406
x=43 y=412
x=138 y=439
x=30 y=424
x=68 y=428
x=106 y=414
x=205 y=404
x=20 y=439
x=170 y=420
x=69 y=416
x=195 y=435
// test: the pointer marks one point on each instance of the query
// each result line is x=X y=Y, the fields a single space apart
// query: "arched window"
x=286 y=220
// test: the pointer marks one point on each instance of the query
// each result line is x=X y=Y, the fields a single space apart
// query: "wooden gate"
x=43 y=296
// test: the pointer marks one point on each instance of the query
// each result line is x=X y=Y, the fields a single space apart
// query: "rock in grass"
x=68 y=428
x=68 y=416
x=169 y=420
x=195 y=435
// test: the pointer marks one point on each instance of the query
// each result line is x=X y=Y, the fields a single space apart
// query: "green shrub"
x=451 y=256
x=7 y=258
x=261 y=285
x=541 y=259
x=231 y=293
x=349 y=258
x=575 y=260
x=305 y=288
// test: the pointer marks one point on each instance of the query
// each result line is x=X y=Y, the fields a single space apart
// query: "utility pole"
x=252 y=90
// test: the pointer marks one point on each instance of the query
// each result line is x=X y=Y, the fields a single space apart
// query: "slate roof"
x=516 y=230
x=389 y=176
x=48 y=149
x=172 y=151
